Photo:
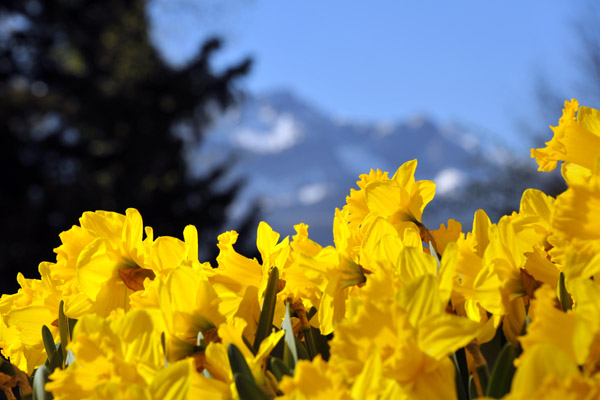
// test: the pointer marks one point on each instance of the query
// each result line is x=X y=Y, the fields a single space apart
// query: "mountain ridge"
x=299 y=163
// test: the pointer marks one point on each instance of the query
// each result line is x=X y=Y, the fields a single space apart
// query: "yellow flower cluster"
x=391 y=310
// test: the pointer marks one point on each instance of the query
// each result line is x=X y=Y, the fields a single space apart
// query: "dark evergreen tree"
x=88 y=110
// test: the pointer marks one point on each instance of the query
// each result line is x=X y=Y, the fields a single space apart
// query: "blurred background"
x=224 y=113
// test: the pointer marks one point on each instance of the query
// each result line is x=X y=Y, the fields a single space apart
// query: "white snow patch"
x=469 y=142
x=283 y=134
x=448 y=180
x=384 y=128
x=313 y=193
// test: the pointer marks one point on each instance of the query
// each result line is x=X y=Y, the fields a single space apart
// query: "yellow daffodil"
x=241 y=282
x=381 y=207
x=126 y=352
x=124 y=359
x=357 y=201
x=532 y=226
x=102 y=262
x=586 y=295
x=413 y=335
x=189 y=306
x=395 y=261
x=303 y=284
x=552 y=326
x=546 y=372
x=181 y=381
x=444 y=235
x=576 y=139
x=24 y=314
x=217 y=362
x=469 y=299
x=576 y=218
x=503 y=286
x=574 y=332
x=398 y=199
x=334 y=274
x=166 y=253
x=315 y=379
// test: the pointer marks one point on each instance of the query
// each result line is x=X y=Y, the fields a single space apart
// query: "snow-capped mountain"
x=299 y=163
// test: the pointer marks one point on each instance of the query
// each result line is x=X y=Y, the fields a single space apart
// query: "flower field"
x=394 y=310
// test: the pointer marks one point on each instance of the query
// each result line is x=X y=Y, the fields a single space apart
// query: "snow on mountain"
x=299 y=163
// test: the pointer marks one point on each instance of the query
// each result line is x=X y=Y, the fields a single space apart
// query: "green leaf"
x=248 y=344
x=484 y=377
x=311 y=313
x=472 y=388
x=460 y=387
x=265 y=322
x=288 y=358
x=63 y=328
x=566 y=303
x=163 y=343
x=56 y=360
x=302 y=352
x=247 y=389
x=72 y=323
x=279 y=369
x=309 y=339
x=322 y=343
x=39 y=382
x=48 y=340
x=6 y=367
x=289 y=338
x=502 y=373
x=238 y=362
x=526 y=324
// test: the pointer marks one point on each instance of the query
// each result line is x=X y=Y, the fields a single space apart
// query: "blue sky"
x=471 y=62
